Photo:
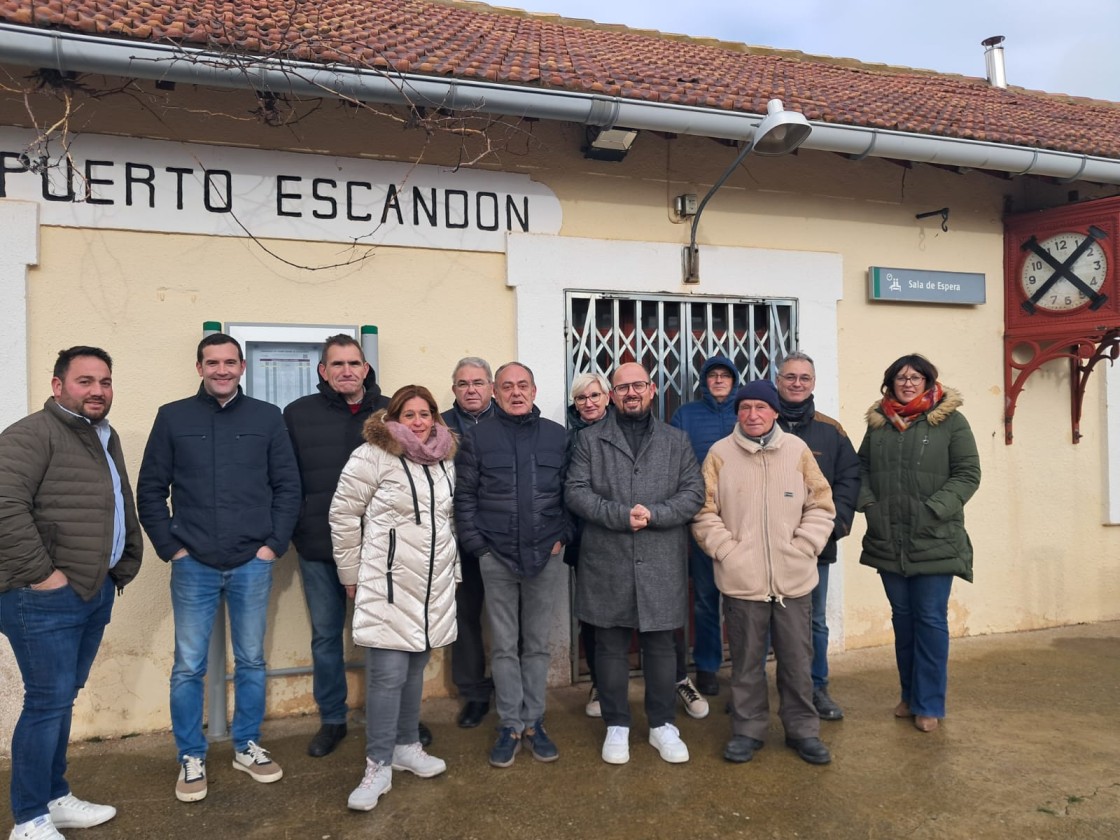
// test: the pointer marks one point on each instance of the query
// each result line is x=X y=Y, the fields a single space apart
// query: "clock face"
x=1046 y=279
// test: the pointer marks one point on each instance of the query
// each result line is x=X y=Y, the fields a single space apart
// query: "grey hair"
x=580 y=383
x=472 y=361
x=528 y=370
x=797 y=356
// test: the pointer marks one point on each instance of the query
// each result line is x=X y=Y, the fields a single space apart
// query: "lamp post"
x=779 y=133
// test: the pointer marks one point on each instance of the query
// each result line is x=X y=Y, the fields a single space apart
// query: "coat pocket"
x=389 y=564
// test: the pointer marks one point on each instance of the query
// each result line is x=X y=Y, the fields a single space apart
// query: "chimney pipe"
x=993 y=59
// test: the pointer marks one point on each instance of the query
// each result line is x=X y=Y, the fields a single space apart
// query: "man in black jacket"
x=838 y=461
x=325 y=428
x=509 y=513
x=473 y=386
x=226 y=462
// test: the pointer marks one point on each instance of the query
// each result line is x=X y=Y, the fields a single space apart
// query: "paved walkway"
x=1030 y=749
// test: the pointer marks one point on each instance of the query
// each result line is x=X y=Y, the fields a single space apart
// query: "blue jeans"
x=919 y=613
x=707 y=647
x=521 y=609
x=326 y=605
x=196 y=591
x=820 y=628
x=55 y=636
x=394 y=687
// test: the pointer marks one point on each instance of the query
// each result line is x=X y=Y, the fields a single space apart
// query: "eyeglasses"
x=586 y=398
x=627 y=387
x=804 y=378
x=720 y=374
x=909 y=380
x=476 y=384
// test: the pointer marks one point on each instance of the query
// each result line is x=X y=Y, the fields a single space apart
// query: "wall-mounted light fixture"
x=779 y=133
x=609 y=144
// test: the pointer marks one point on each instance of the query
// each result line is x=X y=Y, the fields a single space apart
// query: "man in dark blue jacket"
x=708 y=419
x=226 y=461
x=325 y=428
x=509 y=513
x=838 y=461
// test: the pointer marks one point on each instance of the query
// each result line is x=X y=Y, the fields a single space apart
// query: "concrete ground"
x=1030 y=750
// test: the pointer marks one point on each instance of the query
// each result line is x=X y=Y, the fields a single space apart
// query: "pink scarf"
x=430 y=451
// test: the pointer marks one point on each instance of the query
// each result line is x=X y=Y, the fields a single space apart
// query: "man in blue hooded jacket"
x=706 y=420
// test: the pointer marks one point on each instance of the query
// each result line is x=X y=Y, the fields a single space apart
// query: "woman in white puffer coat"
x=392 y=529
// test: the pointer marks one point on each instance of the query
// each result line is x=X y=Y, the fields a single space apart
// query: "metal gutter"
x=65 y=51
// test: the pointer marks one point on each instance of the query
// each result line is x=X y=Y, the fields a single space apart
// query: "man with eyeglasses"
x=838 y=461
x=706 y=420
x=473 y=385
x=636 y=484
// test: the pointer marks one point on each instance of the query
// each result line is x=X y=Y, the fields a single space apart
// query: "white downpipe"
x=92 y=54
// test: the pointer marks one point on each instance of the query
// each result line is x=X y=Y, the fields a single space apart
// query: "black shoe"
x=826 y=707
x=707 y=683
x=810 y=749
x=425 y=736
x=741 y=748
x=326 y=739
x=473 y=712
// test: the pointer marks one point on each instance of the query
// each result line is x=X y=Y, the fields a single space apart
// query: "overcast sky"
x=1061 y=47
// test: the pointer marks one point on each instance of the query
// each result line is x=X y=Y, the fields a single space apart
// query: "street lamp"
x=779 y=133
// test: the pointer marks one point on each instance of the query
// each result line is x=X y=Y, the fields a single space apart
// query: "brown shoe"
x=903 y=710
x=925 y=724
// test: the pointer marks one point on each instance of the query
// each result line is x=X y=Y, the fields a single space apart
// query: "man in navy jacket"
x=226 y=461
x=708 y=419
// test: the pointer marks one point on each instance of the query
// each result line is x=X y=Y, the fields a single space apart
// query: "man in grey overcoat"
x=636 y=484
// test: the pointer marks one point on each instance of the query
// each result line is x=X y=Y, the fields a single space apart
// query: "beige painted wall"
x=1043 y=557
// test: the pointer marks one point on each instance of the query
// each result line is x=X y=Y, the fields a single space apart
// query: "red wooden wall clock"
x=1061 y=296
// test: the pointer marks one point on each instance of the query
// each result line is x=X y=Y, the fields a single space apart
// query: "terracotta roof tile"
x=471 y=40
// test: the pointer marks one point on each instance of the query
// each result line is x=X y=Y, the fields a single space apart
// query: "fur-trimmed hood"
x=938 y=414
x=376 y=433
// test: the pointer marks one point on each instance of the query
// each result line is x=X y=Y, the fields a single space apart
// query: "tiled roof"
x=473 y=41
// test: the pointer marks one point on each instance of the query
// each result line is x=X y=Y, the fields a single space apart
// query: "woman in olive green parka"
x=918 y=465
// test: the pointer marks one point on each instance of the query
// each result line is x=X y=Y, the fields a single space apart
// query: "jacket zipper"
x=431 y=555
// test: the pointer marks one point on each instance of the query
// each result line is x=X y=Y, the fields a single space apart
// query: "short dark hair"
x=216 y=339
x=65 y=357
x=915 y=360
x=406 y=393
x=340 y=340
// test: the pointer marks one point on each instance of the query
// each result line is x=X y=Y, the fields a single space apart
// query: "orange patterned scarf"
x=901 y=416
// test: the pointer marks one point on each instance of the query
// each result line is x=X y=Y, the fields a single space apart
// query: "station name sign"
x=913 y=285
x=125 y=183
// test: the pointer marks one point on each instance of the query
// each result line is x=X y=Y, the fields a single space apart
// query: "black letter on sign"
x=492 y=210
x=431 y=212
x=179 y=172
x=463 y=215
x=281 y=195
x=148 y=180
x=350 y=185
x=5 y=169
x=329 y=200
x=392 y=202
x=91 y=181
x=45 y=171
x=511 y=211
x=214 y=188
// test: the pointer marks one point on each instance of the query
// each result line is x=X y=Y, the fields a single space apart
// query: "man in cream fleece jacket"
x=767 y=514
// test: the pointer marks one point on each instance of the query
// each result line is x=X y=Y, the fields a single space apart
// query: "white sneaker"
x=592 y=709
x=71 y=812
x=616 y=746
x=257 y=763
x=694 y=702
x=411 y=757
x=40 y=828
x=191 y=785
x=377 y=780
x=666 y=740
